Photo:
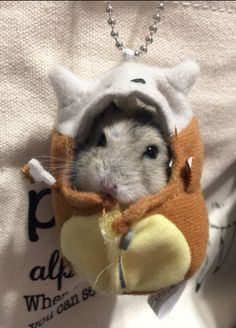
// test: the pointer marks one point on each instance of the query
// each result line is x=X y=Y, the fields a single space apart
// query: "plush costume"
x=161 y=239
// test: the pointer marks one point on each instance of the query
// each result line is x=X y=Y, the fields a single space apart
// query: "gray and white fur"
x=126 y=155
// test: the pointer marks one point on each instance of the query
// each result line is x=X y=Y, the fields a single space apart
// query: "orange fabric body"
x=181 y=200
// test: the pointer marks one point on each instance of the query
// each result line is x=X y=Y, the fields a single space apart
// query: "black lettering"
x=42 y=321
x=67 y=274
x=75 y=300
x=37 y=273
x=41 y=301
x=56 y=270
x=56 y=299
x=54 y=260
x=91 y=292
x=50 y=316
x=47 y=303
x=33 y=222
x=66 y=305
x=72 y=301
x=63 y=295
x=60 y=308
x=33 y=325
x=85 y=294
x=32 y=302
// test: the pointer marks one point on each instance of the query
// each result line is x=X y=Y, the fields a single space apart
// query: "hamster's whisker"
x=60 y=167
x=50 y=159
x=58 y=170
x=62 y=179
x=49 y=156
x=69 y=177
x=53 y=164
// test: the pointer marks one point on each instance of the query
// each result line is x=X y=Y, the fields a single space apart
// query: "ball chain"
x=143 y=49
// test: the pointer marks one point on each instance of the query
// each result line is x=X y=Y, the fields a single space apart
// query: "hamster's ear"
x=183 y=76
x=67 y=86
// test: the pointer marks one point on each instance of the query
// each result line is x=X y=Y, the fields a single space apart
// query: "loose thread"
x=99 y=275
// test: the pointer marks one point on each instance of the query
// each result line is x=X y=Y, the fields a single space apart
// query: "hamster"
x=126 y=156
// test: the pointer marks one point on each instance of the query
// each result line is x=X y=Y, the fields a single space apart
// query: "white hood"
x=166 y=89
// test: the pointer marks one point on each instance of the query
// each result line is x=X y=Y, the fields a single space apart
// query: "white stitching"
x=197 y=5
x=205 y=6
x=185 y=3
x=221 y=6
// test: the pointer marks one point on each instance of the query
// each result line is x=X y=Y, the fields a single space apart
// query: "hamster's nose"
x=109 y=187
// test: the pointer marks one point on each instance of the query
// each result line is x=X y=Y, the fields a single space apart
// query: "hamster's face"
x=124 y=159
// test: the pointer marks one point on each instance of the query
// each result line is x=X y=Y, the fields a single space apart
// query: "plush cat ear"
x=183 y=76
x=67 y=86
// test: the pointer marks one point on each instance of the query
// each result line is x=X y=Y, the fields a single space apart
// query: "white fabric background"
x=36 y=35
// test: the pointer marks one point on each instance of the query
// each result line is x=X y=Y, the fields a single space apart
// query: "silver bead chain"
x=143 y=49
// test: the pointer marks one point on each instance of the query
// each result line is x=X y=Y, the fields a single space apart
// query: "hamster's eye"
x=151 y=151
x=102 y=141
